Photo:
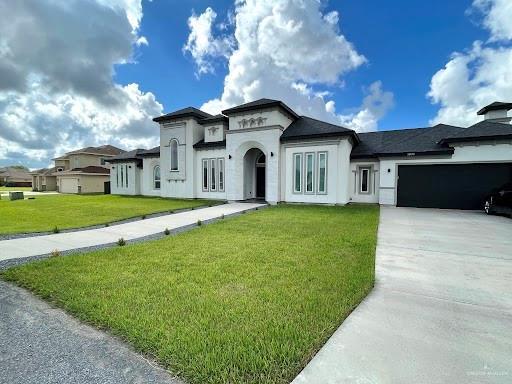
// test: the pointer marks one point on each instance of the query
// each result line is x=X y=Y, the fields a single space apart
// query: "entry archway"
x=255 y=174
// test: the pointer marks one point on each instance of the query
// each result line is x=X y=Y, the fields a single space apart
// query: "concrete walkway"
x=40 y=245
x=441 y=310
x=42 y=345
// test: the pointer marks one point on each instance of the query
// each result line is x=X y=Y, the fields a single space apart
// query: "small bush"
x=55 y=253
x=199 y=223
x=171 y=211
x=55 y=229
x=143 y=217
x=107 y=225
x=121 y=242
x=222 y=216
x=167 y=232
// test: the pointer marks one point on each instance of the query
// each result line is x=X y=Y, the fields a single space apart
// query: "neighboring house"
x=15 y=177
x=82 y=171
x=264 y=150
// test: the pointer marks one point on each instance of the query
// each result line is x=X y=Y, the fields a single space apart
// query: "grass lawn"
x=72 y=211
x=245 y=300
x=7 y=189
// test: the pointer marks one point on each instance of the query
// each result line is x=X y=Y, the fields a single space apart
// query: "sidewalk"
x=41 y=245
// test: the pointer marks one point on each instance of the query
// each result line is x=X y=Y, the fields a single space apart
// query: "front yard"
x=12 y=189
x=245 y=300
x=44 y=213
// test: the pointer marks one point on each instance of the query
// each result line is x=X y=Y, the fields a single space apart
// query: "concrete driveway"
x=441 y=309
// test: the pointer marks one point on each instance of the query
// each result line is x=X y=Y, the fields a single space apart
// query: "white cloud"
x=56 y=86
x=479 y=76
x=498 y=17
x=287 y=50
x=201 y=44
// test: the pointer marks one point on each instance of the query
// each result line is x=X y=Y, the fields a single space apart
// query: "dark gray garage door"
x=458 y=186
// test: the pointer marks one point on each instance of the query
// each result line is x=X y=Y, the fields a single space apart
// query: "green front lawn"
x=245 y=300
x=72 y=211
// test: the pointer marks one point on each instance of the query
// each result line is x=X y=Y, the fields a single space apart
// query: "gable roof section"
x=404 y=142
x=308 y=128
x=484 y=130
x=496 y=106
x=259 y=104
x=91 y=169
x=183 y=113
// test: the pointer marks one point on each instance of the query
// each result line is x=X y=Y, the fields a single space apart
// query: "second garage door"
x=68 y=185
x=457 y=186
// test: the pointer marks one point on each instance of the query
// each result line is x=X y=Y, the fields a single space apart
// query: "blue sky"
x=405 y=43
x=98 y=71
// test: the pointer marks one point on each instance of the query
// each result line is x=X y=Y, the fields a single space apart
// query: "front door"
x=260 y=182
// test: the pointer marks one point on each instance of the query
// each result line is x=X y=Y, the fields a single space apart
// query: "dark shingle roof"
x=214 y=119
x=484 y=130
x=210 y=145
x=127 y=156
x=496 y=106
x=404 y=141
x=153 y=152
x=258 y=104
x=89 y=169
x=308 y=128
x=183 y=113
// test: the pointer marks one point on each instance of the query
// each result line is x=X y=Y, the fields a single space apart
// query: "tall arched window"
x=156 y=177
x=174 y=154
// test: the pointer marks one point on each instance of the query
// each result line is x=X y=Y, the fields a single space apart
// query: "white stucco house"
x=264 y=150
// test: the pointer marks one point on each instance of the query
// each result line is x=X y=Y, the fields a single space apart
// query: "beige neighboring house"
x=15 y=177
x=81 y=171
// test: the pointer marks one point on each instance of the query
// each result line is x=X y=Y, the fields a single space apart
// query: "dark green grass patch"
x=44 y=213
x=245 y=300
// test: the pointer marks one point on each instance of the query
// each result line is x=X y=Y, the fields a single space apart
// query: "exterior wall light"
x=271 y=154
x=229 y=157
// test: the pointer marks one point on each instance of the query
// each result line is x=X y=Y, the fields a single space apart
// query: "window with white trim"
x=310 y=173
x=205 y=163
x=117 y=177
x=213 y=175
x=221 y=174
x=122 y=176
x=297 y=172
x=156 y=177
x=174 y=154
x=126 y=174
x=364 y=180
x=322 y=172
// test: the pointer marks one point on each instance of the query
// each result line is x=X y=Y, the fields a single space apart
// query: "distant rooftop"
x=496 y=106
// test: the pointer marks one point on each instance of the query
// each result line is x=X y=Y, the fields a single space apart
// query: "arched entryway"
x=254 y=174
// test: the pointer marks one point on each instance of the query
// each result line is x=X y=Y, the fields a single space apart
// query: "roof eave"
x=321 y=136
x=277 y=103
x=475 y=138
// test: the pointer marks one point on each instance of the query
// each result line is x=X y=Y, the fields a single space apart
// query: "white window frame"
x=298 y=160
x=368 y=181
x=319 y=190
x=159 y=177
x=312 y=156
x=205 y=163
x=174 y=167
x=220 y=180
x=122 y=175
x=213 y=175
x=126 y=174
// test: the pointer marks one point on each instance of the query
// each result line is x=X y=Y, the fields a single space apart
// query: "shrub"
x=143 y=217
x=107 y=225
x=121 y=242
x=199 y=223
x=55 y=229
x=222 y=216
x=167 y=232
x=55 y=253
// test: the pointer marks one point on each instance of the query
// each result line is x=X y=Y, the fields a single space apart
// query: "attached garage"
x=456 y=186
x=68 y=185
